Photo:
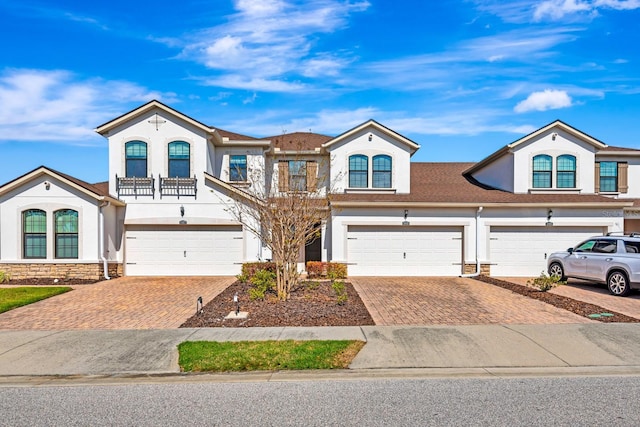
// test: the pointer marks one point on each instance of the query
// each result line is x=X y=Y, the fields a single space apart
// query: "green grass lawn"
x=17 y=297
x=209 y=356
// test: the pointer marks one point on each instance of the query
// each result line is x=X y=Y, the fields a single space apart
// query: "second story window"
x=238 y=168
x=179 y=159
x=136 y=159
x=608 y=177
x=297 y=175
x=542 y=171
x=381 y=171
x=66 y=230
x=566 y=171
x=34 y=233
x=358 y=171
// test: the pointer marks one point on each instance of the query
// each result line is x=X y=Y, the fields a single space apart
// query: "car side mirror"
x=570 y=250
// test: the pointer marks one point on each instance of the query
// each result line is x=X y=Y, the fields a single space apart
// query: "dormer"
x=371 y=158
x=556 y=158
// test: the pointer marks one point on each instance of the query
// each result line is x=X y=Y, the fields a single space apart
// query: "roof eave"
x=418 y=204
x=414 y=147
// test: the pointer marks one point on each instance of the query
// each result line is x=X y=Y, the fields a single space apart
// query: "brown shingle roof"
x=445 y=183
x=234 y=136
x=612 y=148
x=298 y=141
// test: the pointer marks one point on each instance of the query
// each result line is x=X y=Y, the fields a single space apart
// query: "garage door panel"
x=404 y=251
x=523 y=251
x=181 y=251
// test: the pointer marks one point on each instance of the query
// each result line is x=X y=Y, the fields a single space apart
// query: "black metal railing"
x=135 y=186
x=178 y=186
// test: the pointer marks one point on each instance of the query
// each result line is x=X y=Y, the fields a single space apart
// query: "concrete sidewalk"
x=545 y=348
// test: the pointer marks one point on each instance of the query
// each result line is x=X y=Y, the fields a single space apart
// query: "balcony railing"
x=178 y=186
x=134 y=186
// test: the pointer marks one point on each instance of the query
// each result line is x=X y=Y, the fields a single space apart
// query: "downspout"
x=105 y=264
x=477 y=272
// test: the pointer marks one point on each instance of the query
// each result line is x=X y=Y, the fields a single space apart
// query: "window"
x=381 y=171
x=358 y=171
x=566 y=171
x=297 y=175
x=136 y=159
x=66 y=233
x=237 y=168
x=608 y=177
x=542 y=171
x=34 y=232
x=178 y=159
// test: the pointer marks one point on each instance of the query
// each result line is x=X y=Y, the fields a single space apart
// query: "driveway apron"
x=123 y=303
x=452 y=301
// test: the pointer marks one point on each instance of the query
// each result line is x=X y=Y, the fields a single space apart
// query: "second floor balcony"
x=135 y=186
x=178 y=186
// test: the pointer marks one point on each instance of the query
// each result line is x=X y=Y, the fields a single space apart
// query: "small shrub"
x=242 y=278
x=336 y=270
x=4 y=277
x=316 y=268
x=312 y=285
x=249 y=269
x=262 y=282
x=340 y=290
x=544 y=282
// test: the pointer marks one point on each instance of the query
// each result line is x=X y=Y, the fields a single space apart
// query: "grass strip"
x=213 y=356
x=11 y=298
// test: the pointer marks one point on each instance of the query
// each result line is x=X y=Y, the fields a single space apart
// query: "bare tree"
x=285 y=201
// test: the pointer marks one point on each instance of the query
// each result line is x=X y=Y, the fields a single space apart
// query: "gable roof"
x=372 y=123
x=97 y=191
x=443 y=184
x=555 y=124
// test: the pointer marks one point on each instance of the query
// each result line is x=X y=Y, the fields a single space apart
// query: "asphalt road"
x=557 y=401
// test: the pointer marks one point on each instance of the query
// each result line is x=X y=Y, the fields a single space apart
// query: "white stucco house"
x=165 y=207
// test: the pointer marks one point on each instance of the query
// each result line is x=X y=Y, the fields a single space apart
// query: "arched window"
x=66 y=233
x=358 y=171
x=542 y=171
x=34 y=233
x=136 y=159
x=382 y=171
x=179 y=159
x=566 y=171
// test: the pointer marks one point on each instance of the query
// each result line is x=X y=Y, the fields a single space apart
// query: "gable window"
x=566 y=171
x=381 y=171
x=297 y=175
x=238 y=168
x=358 y=171
x=136 y=159
x=608 y=177
x=179 y=159
x=542 y=171
x=66 y=233
x=34 y=233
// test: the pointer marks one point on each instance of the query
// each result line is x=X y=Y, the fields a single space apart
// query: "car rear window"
x=632 y=247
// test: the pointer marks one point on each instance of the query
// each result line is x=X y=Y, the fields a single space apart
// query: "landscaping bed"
x=313 y=303
x=578 y=307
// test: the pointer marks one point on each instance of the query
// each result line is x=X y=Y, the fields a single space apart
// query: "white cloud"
x=53 y=105
x=557 y=9
x=522 y=11
x=549 y=99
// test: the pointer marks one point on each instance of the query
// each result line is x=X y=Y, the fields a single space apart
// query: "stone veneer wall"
x=87 y=271
x=485 y=269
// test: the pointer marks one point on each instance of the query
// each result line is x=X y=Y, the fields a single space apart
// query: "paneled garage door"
x=404 y=251
x=523 y=251
x=183 y=251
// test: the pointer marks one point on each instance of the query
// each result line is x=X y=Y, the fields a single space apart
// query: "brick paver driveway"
x=452 y=301
x=124 y=303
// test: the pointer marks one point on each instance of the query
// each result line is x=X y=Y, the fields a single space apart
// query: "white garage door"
x=523 y=251
x=404 y=251
x=183 y=251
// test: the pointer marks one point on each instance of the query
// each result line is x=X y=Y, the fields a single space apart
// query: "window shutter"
x=283 y=177
x=597 y=178
x=312 y=176
x=623 y=185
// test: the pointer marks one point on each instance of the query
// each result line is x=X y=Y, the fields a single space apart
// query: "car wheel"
x=618 y=283
x=556 y=270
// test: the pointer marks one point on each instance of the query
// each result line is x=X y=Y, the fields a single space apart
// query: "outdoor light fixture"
x=182 y=211
x=549 y=215
x=406 y=214
x=237 y=302
x=554 y=136
x=47 y=185
x=370 y=136
x=199 y=305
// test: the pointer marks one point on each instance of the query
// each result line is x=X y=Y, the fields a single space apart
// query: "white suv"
x=613 y=260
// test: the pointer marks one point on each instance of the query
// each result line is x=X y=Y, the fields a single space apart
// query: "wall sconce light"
x=549 y=215
x=370 y=137
x=554 y=136
x=182 y=211
x=47 y=185
x=406 y=214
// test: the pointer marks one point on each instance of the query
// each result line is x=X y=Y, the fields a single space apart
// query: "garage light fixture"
x=182 y=211
x=549 y=215
x=406 y=214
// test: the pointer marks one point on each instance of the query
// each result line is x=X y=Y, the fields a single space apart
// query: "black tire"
x=556 y=270
x=618 y=283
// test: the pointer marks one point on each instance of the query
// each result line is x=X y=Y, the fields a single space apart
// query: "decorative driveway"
x=123 y=303
x=452 y=301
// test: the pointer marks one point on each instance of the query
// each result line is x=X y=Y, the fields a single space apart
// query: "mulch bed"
x=308 y=306
x=578 y=307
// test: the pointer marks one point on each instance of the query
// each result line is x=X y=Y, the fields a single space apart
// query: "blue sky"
x=460 y=77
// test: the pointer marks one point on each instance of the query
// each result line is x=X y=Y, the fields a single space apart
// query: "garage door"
x=183 y=251
x=523 y=251
x=404 y=251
